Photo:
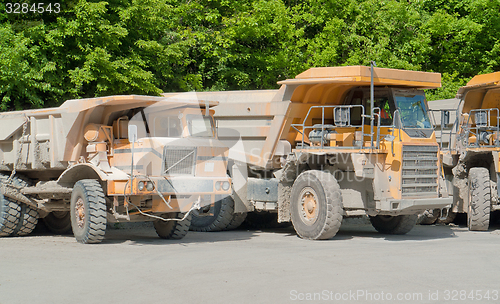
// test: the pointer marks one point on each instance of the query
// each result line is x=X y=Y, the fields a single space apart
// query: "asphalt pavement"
x=431 y=264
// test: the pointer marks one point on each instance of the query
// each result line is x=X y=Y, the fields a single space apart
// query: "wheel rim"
x=80 y=212
x=308 y=205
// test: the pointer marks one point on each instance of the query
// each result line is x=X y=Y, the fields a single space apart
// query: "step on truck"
x=333 y=142
x=469 y=129
x=111 y=159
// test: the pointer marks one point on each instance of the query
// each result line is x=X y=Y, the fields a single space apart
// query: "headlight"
x=140 y=186
x=150 y=186
x=217 y=186
x=225 y=186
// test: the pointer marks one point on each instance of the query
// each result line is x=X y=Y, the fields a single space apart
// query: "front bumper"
x=178 y=193
x=412 y=206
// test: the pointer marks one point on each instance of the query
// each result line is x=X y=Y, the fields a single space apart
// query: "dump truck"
x=470 y=146
x=110 y=159
x=333 y=142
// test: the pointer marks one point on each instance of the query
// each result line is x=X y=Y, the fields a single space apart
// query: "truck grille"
x=179 y=160
x=419 y=171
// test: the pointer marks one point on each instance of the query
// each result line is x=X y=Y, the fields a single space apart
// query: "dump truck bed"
x=51 y=138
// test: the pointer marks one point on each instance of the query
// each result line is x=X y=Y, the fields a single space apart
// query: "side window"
x=382 y=100
x=386 y=110
x=356 y=98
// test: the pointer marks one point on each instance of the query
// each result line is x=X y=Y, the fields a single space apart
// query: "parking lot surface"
x=431 y=264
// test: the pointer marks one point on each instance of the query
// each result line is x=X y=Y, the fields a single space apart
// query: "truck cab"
x=470 y=148
x=334 y=142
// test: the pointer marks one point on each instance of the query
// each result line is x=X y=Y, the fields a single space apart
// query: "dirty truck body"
x=77 y=166
x=316 y=150
x=470 y=148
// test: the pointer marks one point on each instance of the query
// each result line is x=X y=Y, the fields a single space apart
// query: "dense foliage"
x=95 y=48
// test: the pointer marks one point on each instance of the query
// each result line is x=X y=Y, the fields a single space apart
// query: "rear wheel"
x=16 y=218
x=88 y=211
x=173 y=229
x=316 y=205
x=10 y=214
x=58 y=222
x=401 y=224
x=27 y=221
x=478 y=216
x=236 y=220
x=223 y=211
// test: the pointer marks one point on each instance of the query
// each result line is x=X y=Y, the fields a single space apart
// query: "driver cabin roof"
x=361 y=75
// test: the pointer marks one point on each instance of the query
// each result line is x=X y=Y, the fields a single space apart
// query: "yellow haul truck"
x=470 y=148
x=118 y=158
x=334 y=142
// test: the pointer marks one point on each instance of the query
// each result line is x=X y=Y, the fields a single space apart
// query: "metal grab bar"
x=342 y=123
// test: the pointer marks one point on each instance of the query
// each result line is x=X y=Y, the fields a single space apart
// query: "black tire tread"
x=480 y=199
x=221 y=220
x=28 y=219
x=401 y=224
x=236 y=220
x=26 y=216
x=173 y=229
x=9 y=217
x=334 y=205
x=97 y=211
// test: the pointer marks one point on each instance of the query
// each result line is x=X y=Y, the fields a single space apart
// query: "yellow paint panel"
x=484 y=79
x=361 y=75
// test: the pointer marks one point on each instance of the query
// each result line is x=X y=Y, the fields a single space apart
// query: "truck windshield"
x=412 y=110
x=199 y=126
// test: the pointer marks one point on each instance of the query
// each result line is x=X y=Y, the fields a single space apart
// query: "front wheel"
x=401 y=224
x=88 y=211
x=478 y=215
x=223 y=214
x=316 y=205
x=173 y=229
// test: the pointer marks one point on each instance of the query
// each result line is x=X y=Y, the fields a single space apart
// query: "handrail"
x=475 y=131
x=375 y=114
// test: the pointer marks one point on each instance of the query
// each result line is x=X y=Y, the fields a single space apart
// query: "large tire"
x=58 y=222
x=401 y=224
x=236 y=220
x=88 y=211
x=10 y=214
x=16 y=217
x=27 y=221
x=223 y=214
x=316 y=205
x=172 y=229
x=478 y=216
